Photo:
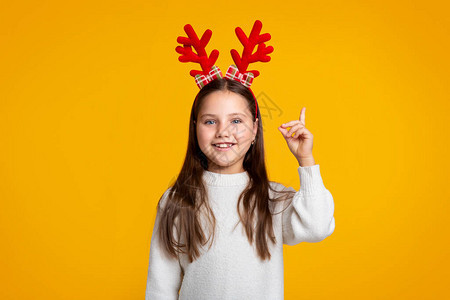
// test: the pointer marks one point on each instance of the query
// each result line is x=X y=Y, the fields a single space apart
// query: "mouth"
x=223 y=146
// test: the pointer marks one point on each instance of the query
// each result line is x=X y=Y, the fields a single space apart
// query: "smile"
x=223 y=146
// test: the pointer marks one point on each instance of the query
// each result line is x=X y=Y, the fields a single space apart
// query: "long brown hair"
x=187 y=197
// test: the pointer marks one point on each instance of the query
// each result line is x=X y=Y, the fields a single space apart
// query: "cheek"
x=243 y=133
x=204 y=136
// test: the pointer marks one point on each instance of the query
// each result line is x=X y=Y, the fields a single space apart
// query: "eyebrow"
x=232 y=114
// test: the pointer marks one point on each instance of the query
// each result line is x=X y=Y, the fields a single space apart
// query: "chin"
x=222 y=159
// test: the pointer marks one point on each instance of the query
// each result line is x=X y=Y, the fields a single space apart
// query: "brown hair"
x=187 y=197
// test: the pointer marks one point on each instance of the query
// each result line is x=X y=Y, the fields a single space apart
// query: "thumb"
x=283 y=131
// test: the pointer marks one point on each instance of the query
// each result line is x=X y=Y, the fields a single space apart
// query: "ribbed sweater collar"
x=219 y=179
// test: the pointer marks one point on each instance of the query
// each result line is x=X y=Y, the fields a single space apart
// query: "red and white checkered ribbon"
x=232 y=73
x=245 y=78
x=202 y=80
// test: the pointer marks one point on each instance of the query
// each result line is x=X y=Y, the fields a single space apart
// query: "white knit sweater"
x=231 y=268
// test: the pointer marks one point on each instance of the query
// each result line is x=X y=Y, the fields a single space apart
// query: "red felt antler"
x=187 y=55
x=249 y=44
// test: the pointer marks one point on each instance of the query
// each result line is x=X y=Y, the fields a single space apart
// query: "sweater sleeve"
x=164 y=272
x=309 y=215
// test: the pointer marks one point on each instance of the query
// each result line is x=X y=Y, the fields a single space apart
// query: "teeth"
x=223 y=145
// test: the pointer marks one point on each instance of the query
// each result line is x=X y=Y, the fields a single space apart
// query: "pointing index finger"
x=302 y=116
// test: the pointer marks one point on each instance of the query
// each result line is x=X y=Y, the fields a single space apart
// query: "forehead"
x=224 y=103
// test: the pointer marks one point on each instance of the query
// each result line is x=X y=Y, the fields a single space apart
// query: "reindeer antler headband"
x=237 y=71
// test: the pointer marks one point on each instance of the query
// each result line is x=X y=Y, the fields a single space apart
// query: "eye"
x=240 y=121
x=206 y=122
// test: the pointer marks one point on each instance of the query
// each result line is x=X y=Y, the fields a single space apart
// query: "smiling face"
x=224 y=119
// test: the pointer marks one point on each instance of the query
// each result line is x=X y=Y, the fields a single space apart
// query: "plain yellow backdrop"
x=94 y=110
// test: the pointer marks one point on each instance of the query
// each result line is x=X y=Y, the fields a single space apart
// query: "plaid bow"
x=202 y=80
x=245 y=78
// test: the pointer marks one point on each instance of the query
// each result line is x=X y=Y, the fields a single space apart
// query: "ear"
x=255 y=127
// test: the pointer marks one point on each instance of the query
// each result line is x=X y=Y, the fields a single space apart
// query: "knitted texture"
x=231 y=269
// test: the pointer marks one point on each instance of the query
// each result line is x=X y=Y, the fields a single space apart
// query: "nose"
x=223 y=130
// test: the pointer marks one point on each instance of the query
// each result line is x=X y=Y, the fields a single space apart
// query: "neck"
x=226 y=170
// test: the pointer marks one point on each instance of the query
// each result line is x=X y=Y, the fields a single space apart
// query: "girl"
x=220 y=228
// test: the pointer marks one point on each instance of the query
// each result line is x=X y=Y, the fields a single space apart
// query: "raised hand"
x=299 y=139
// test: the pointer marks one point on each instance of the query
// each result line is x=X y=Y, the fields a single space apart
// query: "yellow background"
x=94 y=110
